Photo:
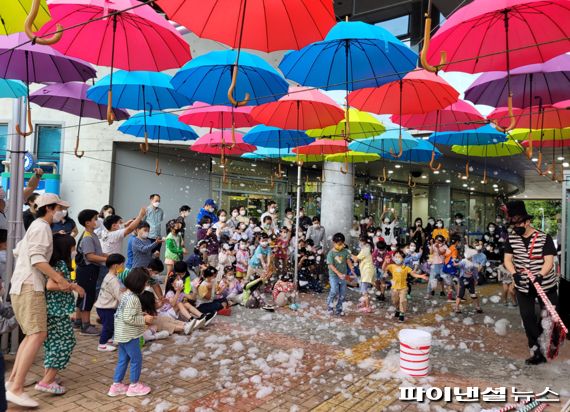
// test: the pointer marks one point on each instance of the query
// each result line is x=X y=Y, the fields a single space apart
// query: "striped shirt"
x=129 y=318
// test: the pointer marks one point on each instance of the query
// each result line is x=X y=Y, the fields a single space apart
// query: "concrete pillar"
x=440 y=202
x=337 y=199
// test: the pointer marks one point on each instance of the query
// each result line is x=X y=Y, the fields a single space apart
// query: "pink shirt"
x=437 y=258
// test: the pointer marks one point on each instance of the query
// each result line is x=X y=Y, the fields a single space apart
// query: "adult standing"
x=458 y=228
x=29 y=215
x=67 y=225
x=208 y=210
x=233 y=221
x=304 y=220
x=105 y=212
x=317 y=233
x=417 y=233
x=271 y=210
x=33 y=254
x=154 y=217
x=529 y=249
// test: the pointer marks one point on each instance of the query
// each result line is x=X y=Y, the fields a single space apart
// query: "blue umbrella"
x=422 y=153
x=481 y=136
x=12 y=89
x=160 y=126
x=268 y=136
x=385 y=143
x=352 y=56
x=207 y=78
x=268 y=153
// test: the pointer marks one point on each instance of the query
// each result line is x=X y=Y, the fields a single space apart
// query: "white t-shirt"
x=112 y=242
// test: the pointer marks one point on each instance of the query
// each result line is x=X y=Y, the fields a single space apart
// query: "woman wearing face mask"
x=458 y=228
x=429 y=228
x=222 y=227
x=208 y=233
x=440 y=230
x=233 y=222
x=242 y=215
x=289 y=221
x=106 y=211
x=417 y=234
x=491 y=241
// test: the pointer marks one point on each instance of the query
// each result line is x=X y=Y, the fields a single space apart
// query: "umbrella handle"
x=110 y=113
x=431 y=162
x=30 y=125
x=539 y=164
x=144 y=146
x=344 y=167
x=513 y=122
x=425 y=47
x=411 y=182
x=272 y=181
x=279 y=172
x=157 y=170
x=76 y=151
x=467 y=169
x=400 y=148
x=232 y=88
x=529 y=149
x=28 y=27
x=484 y=181
x=384 y=177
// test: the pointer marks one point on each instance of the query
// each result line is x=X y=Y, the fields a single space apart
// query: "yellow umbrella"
x=508 y=148
x=362 y=125
x=13 y=13
x=352 y=157
x=537 y=135
x=304 y=158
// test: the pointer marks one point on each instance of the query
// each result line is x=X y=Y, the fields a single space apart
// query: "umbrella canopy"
x=268 y=136
x=534 y=117
x=352 y=157
x=418 y=92
x=565 y=104
x=389 y=141
x=263 y=25
x=72 y=98
x=475 y=38
x=218 y=117
x=537 y=135
x=361 y=124
x=207 y=78
x=302 y=108
x=323 y=147
x=14 y=13
x=12 y=89
x=352 y=56
x=547 y=143
x=35 y=63
x=268 y=153
x=506 y=148
x=222 y=142
x=422 y=153
x=486 y=135
x=160 y=126
x=550 y=81
x=137 y=38
x=139 y=90
x=456 y=117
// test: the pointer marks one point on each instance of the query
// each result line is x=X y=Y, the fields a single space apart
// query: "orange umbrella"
x=323 y=147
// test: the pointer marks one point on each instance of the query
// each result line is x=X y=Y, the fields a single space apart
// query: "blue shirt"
x=129 y=263
x=468 y=269
x=479 y=259
x=204 y=213
x=66 y=225
x=154 y=217
x=255 y=260
x=142 y=252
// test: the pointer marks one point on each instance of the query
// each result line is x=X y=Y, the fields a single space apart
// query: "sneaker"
x=22 y=399
x=163 y=334
x=442 y=293
x=138 y=389
x=110 y=342
x=76 y=324
x=268 y=308
x=190 y=326
x=106 y=348
x=117 y=389
x=209 y=318
x=341 y=313
x=401 y=317
x=433 y=292
x=536 y=359
x=200 y=322
x=54 y=388
x=89 y=330
x=330 y=311
x=225 y=311
x=396 y=314
x=479 y=310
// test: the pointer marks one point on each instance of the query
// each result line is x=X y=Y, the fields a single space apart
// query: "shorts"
x=506 y=278
x=364 y=286
x=447 y=279
x=169 y=261
x=469 y=284
x=87 y=279
x=30 y=310
x=379 y=274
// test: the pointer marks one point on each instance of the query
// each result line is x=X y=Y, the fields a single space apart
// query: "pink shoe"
x=364 y=309
x=138 y=389
x=117 y=389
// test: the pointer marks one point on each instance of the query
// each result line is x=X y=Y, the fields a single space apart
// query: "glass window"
x=3 y=143
x=48 y=143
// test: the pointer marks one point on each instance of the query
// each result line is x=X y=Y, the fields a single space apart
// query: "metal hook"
x=384 y=176
x=400 y=147
x=411 y=182
x=144 y=146
x=29 y=120
x=425 y=47
x=232 y=88
x=29 y=23
x=431 y=162
x=344 y=168
x=157 y=170
x=513 y=122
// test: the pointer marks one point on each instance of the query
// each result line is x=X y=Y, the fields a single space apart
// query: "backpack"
x=80 y=257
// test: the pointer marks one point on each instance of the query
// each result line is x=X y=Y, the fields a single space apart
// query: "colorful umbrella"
x=268 y=136
x=484 y=135
x=255 y=24
x=506 y=148
x=537 y=117
x=208 y=77
x=550 y=81
x=36 y=63
x=386 y=143
x=302 y=158
x=160 y=126
x=352 y=157
x=14 y=13
x=218 y=117
x=268 y=153
x=12 y=89
x=301 y=109
x=560 y=143
x=562 y=105
x=361 y=125
x=537 y=135
x=323 y=147
x=456 y=117
x=498 y=35
x=72 y=98
x=222 y=142
x=422 y=153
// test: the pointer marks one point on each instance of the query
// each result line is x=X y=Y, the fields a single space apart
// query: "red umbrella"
x=323 y=147
x=222 y=142
x=456 y=117
x=302 y=109
x=535 y=117
x=562 y=105
x=218 y=117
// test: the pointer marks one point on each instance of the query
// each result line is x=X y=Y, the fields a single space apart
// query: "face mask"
x=393 y=248
x=230 y=278
x=309 y=248
x=121 y=225
x=64 y=213
x=107 y=214
x=387 y=221
x=244 y=236
x=58 y=216
x=439 y=225
x=243 y=247
x=203 y=250
x=519 y=230
x=263 y=244
x=266 y=226
x=185 y=214
x=98 y=225
x=143 y=235
x=272 y=210
x=338 y=247
x=156 y=204
x=478 y=247
x=223 y=219
x=378 y=234
x=458 y=221
x=226 y=246
x=412 y=248
x=371 y=234
x=242 y=212
x=418 y=224
x=397 y=261
x=206 y=225
x=316 y=225
x=289 y=216
x=431 y=222
x=301 y=214
x=490 y=248
x=251 y=248
x=491 y=229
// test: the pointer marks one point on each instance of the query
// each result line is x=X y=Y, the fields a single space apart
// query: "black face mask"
x=519 y=230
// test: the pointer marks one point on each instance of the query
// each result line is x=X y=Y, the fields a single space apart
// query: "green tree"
x=552 y=210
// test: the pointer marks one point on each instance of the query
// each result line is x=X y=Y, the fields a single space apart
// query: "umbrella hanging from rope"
x=14 y=13
x=120 y=34
x=360 y=124
x=218 y=116
x=72 y=98
x=12 y=89
x=537 y=135
x=498 y=35
x=21 y=60
x=268 y=153
x=537 y=117
x=455 y=117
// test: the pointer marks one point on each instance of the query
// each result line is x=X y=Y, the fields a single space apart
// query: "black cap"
x=516 y=211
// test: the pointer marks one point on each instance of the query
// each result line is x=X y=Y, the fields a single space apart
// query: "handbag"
x=80 y=256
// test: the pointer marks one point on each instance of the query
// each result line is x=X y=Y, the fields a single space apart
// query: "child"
x=412 y=259
x=338 y=261
x=400 y=274
x=174 y=244
x=252 y=297
x=60 y=337
x=449 y=271
x=282 y=251
x=284 y=292
x=207 y=301
x=130 y=324
x=163 y=326
x=230 y=288
x=108 y=300
x=242 y=259
x=178 y=290
x=438 y=250
x=378 y=257
x=143 y=247
x=367 y=272
x=387 y=261
x=225 y=258
x=208 y=234
x=505 y=277
x=261 y=260
x=467 y=280
x=479 y=257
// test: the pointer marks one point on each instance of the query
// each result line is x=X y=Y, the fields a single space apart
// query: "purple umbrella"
x=549 y=81
x=35 y=63
x=72 y=98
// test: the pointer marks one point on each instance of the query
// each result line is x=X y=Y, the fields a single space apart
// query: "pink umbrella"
x=540 y=117
x=218 y=117
x=323 y=147
x=456 y=117
x=562 y=105
x=222 y=142
x=302 y=109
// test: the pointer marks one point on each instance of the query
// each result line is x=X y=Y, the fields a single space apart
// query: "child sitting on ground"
x=178 y=291
x=252 y=297
x=206 y=299
x=467 y=280
x=230 y=288
x=284 y=292
x=399 y=274
x=367 y=272
x=226 y=257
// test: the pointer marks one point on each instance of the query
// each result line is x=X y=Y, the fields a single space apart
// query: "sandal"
x=52 y=388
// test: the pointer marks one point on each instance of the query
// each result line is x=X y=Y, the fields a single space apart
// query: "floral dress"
x=60 y=338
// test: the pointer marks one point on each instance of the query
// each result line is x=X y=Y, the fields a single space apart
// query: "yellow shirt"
x=366 y=266
x=399 y=276
x=443 y=232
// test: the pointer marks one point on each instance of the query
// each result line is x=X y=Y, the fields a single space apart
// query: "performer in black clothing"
x=532 y=250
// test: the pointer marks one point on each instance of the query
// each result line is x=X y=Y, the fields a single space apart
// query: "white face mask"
x=289 y=216
x=491 y=229
x=316 y=225
x=143 y=235
x=431 y=222
x=263 y=244
x=64 y=212
x=397 y=261
x=223 y=218
x=458 y=221
x=378 y=234
x=226 y=246
x=272 y=210
x=230 y=278
x=156 y=204
x=387 y=221
x=393 y=248
x=301 y=214
x=58 y=216
x=439 y=225
x=203 y=250
x=478 y=247
x=242 y=212
x=206 y=225
x=243 y=246
x=235 y=214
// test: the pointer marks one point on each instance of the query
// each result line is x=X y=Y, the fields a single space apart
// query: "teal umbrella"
x=268 y=153
x=385 y=143
x=12 y=89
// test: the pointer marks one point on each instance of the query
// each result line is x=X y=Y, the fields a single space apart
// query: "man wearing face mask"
x=154 y=217
x=209 y=211
x=317 y=233
x=458 y=229
x=272 y=212
x=304 y=220
x=531 y=250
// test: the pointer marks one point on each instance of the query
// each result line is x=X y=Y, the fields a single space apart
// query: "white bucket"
x=415 y=345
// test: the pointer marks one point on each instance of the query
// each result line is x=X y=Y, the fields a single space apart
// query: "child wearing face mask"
x=242 y=259
x=261 y=261
x=339 y=264
x=226 y=257
x=388 y=225
x=400 y=273
x=440 y=230
x=467 y=280
x=230 y=287
x=367 y=272
x=282 y=251
x=378 y=256
x=412 y=259
x=388 y=261
x=243 y=218
x=174 y=246
x=289 y=220
x=233 y=222
x=438 y=250
x=208 y=234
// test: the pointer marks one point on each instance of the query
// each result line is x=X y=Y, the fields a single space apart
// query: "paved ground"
x=287 y=361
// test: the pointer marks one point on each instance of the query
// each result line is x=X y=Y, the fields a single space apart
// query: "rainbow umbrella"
x=268 y=153
x=537 y=135
x=535 y=117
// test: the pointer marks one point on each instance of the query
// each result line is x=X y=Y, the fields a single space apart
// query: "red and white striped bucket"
x=415 y=346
